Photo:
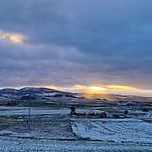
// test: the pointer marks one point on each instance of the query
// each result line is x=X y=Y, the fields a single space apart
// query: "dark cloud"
x=77 y=42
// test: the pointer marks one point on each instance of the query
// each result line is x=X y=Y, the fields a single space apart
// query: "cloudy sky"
x=73 y=44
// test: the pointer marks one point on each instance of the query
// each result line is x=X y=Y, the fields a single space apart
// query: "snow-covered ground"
x=8 y=111
x=52 y=129
x=8 y=144
x=116 y=130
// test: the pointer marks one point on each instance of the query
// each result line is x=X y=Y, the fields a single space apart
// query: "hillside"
x=29 y=96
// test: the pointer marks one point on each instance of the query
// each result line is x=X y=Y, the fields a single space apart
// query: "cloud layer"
x=76 y=42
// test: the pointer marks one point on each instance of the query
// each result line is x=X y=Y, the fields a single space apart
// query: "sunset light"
x=12 y=37
x=120 y=87
x=96 y=89
x=76 y=75
x=104 y=89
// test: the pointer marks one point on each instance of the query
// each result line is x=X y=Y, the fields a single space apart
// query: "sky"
x=77 y=45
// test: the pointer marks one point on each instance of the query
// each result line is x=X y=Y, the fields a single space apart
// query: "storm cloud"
x=69 y=42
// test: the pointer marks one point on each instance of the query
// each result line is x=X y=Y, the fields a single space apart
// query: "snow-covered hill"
x=37 y=96
x=45 y=96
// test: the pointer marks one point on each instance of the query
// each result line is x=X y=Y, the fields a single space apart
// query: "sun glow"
x=12 y=37
x=96 y=90
x=16 y=38
x=81 y=88
x=120 y=88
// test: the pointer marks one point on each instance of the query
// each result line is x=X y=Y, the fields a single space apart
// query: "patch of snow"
x=149 y=115
x=49 y=94
x=117 y=130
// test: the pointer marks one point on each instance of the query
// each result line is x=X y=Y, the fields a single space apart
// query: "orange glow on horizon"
x=96 y=89
x=93 y=90
x=120 y=87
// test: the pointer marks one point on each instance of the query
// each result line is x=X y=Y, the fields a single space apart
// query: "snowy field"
x=54 y=130
x=114 y=130
x=8 y=111
x=27 y=145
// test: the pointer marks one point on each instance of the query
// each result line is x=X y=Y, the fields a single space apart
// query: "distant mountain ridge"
x=40 y=96
x=46 y=96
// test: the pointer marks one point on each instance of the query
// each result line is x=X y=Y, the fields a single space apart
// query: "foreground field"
x=8 y=144
x=53 y=129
